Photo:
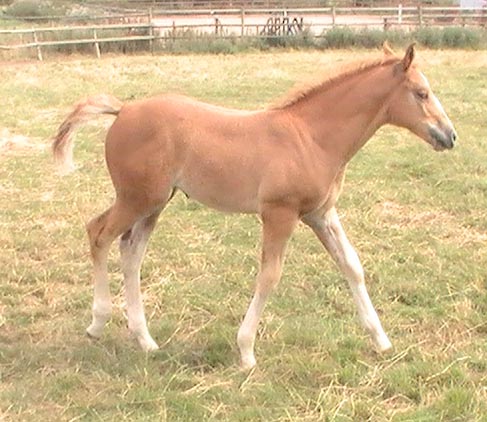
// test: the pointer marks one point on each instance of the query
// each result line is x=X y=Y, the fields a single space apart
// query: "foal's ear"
x=408 y=57
x=388 y=51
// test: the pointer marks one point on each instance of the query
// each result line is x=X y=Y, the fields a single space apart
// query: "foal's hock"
x=285 y=163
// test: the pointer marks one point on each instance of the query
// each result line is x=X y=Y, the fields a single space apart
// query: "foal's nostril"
x=453 y=136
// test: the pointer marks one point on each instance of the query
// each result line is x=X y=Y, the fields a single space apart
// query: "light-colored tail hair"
x=62 y=146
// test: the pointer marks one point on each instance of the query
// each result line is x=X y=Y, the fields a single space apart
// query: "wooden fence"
x=171 y=25
x=253 y=4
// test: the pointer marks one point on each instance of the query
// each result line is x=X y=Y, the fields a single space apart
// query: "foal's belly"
x=223 y=196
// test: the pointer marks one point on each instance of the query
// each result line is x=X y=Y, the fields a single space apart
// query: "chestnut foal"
x=285 y=163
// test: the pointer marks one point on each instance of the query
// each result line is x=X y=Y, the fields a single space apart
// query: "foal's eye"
x=422 y=95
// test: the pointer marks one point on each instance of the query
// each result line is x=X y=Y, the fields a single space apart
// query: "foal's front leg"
x=278 y=225
x=331 y=234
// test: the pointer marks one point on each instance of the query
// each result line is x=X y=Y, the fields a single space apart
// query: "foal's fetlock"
x=147 y=343
x=100 y=318
x=246 y=346
x=95 y=330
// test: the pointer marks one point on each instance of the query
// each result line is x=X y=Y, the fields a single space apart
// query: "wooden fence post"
x=242 y=22
x=217 y=26
x=399 y=14
x=333 y=16
x=151 y=32
x=420 y=16
x=97 y=44
x=38 y=47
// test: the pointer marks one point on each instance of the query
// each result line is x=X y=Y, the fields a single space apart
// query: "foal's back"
x=223 y=158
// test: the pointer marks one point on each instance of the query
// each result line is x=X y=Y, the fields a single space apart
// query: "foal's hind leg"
x=278 y=225
x=331 y=234
x=132 y=249
x=102 y=231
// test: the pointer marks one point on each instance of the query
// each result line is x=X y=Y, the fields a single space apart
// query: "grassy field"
x=417 y=218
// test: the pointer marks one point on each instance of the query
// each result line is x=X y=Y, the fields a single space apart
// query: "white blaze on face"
x=436 y=101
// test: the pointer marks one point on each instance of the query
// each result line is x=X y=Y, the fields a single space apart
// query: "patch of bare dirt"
x=11 y=142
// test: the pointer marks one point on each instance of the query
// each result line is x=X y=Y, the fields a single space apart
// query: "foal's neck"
x=341 y=118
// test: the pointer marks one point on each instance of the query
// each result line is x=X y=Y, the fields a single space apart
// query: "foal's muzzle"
x=442 y=137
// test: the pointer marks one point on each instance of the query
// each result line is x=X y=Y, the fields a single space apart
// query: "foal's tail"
x=62 y=146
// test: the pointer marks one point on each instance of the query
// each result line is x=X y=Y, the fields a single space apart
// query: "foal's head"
x=413 y=105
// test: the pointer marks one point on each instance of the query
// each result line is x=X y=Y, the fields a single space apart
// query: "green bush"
x=368 y=38
x=29 y=8
x=451 y=37
x=371 y=38
x=339 y=38
x=429 y=37
x=461 y=37
x=189 y=41
x=398 y=37
x=303 y=39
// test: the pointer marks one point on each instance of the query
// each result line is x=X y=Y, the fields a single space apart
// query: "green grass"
x=417 y=218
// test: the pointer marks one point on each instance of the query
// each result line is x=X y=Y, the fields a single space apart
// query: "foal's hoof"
x=248 y=363
x=93 y=333
x=383 y=346
x=147 y=344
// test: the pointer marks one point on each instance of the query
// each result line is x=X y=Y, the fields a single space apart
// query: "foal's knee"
x=268 y=280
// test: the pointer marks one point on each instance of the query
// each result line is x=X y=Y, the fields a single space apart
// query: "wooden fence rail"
x=176 y=24
x=137 y=5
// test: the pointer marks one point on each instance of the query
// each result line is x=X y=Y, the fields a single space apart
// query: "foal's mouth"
x=442 y=140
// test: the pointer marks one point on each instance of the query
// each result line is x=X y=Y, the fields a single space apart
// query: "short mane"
x=301 y=91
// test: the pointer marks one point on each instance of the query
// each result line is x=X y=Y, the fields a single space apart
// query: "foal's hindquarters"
x=143 y=187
